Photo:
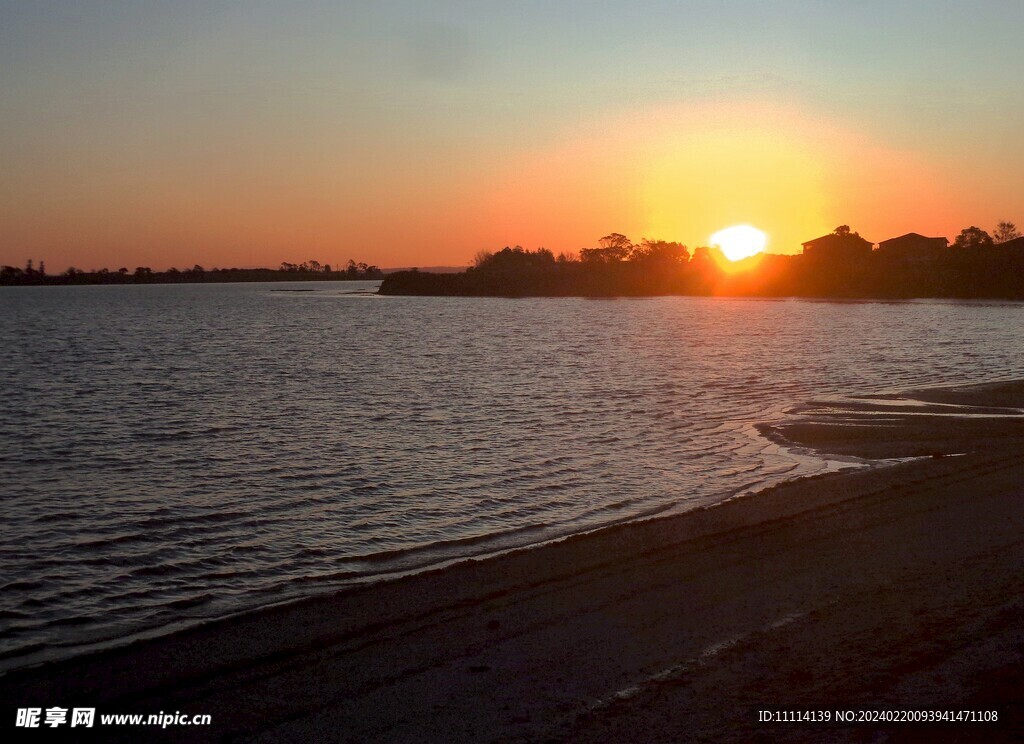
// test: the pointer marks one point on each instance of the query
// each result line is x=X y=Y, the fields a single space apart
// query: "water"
x=170 y=454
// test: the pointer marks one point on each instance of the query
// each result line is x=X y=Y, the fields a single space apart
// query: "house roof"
x=914 y=236
x=833 y=238
x=1015 y=243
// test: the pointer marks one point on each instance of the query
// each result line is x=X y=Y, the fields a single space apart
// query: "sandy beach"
x=873 y=589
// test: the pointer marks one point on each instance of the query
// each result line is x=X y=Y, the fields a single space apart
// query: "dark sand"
x=886 y=588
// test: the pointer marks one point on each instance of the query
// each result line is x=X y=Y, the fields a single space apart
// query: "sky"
x=417 y=133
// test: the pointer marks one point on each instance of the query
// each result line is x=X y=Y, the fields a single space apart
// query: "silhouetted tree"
x=973 y=237
x=615 y=240
x=844 y=231
x=702 y=255
x=614 y=248
x=1004 y=231
x=516 y=260
x=660 y=252
x=10 y=275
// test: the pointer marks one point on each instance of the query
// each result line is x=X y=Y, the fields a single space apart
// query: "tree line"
x=305 y=271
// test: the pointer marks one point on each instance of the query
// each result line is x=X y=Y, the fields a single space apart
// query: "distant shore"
x=893 y=588
x=196 y=275
x=993 y=273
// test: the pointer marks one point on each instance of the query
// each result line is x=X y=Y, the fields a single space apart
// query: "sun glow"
x=740 y=241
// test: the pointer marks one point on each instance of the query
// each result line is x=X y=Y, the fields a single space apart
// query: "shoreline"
x=805 y=463
x=606 y=633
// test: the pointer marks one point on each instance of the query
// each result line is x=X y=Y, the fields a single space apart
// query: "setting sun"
x=740 y=241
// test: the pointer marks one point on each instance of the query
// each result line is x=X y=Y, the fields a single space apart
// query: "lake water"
x=171 y=454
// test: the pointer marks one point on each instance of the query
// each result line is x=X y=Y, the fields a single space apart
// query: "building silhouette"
x=912 y=247
x=841 y=244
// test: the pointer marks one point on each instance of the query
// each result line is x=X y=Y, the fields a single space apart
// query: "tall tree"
x=615 y=247
x=1004 y=231
x=973 y=237
x=660 y=251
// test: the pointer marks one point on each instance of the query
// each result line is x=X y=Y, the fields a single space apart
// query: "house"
x=1015 y=245
x=912 y=246
x=839 y=244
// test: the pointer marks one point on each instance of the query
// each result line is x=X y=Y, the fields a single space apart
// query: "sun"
x=740 y=241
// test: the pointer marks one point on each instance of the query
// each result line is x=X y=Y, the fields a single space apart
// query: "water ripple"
x=170 y=454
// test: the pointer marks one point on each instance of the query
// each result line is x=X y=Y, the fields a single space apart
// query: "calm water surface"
x=170 y=454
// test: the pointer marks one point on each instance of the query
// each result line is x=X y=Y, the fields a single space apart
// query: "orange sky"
x=683 y=172
x=400 y=134
x=676 y=172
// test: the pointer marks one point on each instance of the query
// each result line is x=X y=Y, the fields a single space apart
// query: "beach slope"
x=887 y=588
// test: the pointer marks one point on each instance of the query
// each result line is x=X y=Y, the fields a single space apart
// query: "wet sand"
x=885 y=588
